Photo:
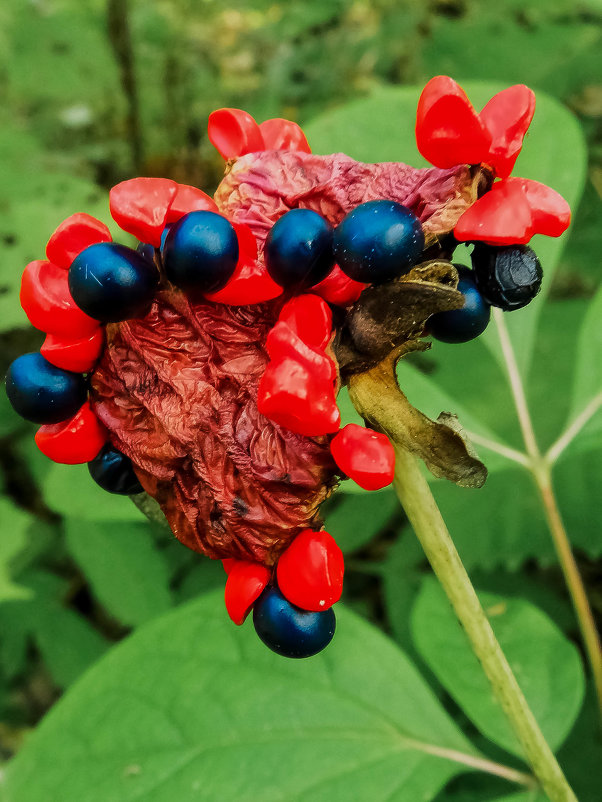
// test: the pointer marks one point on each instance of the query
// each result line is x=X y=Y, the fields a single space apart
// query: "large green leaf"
x=379 y=128
x=354 y=520
x=13 y=540
x=190 y=708
x=71 y=491
x=546 y=665
x=125 y=570
x=582 y=751
x=528 y=796
x=401 y=582
x=587 y=386
x=66 y=640
x=503 y=523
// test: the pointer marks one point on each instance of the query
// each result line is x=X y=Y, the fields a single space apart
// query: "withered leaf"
x=378 y=398
x=391 y=314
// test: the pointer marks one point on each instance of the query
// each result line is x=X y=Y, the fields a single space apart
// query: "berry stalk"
x=373 y=395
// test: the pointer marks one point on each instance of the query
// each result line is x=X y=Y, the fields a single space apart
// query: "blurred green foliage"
x=92 y=92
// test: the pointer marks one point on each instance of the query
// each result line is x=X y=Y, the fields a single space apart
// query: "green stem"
x=541 y=468
x=374 y=396
x=414 y=493
x=572 y=577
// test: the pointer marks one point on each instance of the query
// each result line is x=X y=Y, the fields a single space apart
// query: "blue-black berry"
x=461 y=325
x=288 y=630
x=378 y=241
x=43 y=393
x=113 y=471
x=298 y=249
x=508 y=277
x=200 y=252
x=111 y=282
x=146 y=250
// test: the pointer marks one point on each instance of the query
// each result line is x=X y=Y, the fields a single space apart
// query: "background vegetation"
x=93 y=92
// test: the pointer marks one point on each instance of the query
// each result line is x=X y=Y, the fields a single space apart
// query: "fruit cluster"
x=310 y=265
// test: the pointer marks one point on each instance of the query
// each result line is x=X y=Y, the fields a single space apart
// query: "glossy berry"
x=246 y=581
x=461 y=325
x=146 y=250
x=74 y=235
x=140 y=206
x=48 y=303
x=78 y=355
x=41 y=392
x=289 y=631
x=367 y=457
x=298 y=249
x=113 y=471
x=73 y=441
x=200 y=253
x=111 y=282
x=507 y=277
x=310 y=318
x=448 y=129
x=378 y=241
x=310 y=571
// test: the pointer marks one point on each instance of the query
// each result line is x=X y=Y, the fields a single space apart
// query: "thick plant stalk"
x=373 y=394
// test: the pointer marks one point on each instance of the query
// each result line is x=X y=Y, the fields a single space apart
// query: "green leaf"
x=374 y=129
x=401 y=582
x=13 y=539
x=583 y=749
x=125 y=570
x=190 y=707
x=204 y=575
x=476 y=788
x=528 y=796
x=502 y=523
x=9 y=420
x=577 y=480
x=354 y=520
x=546 y=665
x=71 y=491
x=553 y=367
x=65 y=639
x=587 y=385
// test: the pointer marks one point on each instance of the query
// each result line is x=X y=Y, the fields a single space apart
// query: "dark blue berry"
x=200 y=252
x=146 y=250
x=378 y=241
x=111 y=282
x=461 y=325
x=113 y=471
x=43 y=393
x=298 y=249
x=508 y=277
x=288 y=630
